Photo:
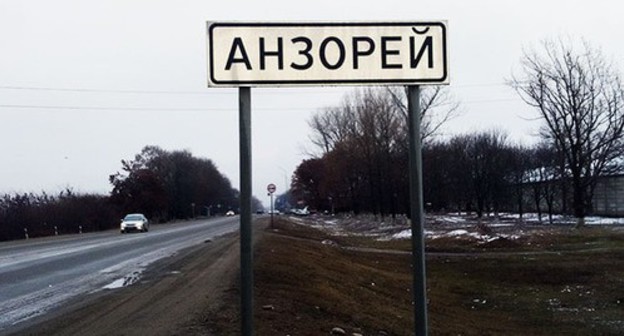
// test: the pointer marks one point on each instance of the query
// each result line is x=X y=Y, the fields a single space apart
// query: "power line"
x=478 y=85
x=101 y=108
x=204 y=109
x=165 y=92
x=231 y=92
x=487 y=101
x=204 y=93
x=30 y=88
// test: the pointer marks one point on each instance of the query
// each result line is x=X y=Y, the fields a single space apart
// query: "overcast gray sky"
x=84 y=84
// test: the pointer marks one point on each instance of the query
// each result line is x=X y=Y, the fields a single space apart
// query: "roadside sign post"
x=247 y=54
x=271 y=189
x=246 y=252
x=419 y=286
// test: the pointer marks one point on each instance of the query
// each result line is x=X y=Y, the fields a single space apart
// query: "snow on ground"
x=604 y=221
x=560 y=219
x=460 y=226
x=450 y=219
x=459 y=234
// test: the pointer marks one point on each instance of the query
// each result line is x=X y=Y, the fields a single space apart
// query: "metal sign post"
x=246 y=253
x=271 y=189
x=417 y=212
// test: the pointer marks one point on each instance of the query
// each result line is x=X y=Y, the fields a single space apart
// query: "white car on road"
x=134 y=222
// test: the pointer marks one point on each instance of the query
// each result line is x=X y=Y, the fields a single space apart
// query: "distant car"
x=260 y=212
x=230 y=213
x=134 y=222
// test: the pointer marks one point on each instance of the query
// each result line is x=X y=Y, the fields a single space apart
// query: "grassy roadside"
x=570 y=283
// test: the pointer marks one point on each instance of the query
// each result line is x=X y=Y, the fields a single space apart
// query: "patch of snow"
x=296 y=219
x=405 y=234
x=500 y=225
x=451 y=219
x=115 y=284
x=603 y=221
x=125 y=281
x=456 y=233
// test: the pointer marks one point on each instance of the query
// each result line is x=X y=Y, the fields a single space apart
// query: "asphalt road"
x=38 y=275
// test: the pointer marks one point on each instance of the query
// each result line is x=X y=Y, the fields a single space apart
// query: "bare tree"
x=544 y=172
x=334 y=124
x=437 y=106
x=520 y=168
x=580 y=98
x=487 y=161
x=369 y=129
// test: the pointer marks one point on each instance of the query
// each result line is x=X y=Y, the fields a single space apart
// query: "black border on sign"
x=212 y=25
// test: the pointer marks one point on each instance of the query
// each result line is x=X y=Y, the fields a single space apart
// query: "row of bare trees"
x=363 y=150
x=362 y=164
x=486 y=174
x=480 y=172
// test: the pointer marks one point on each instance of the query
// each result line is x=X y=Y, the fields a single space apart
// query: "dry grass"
x=316 y=287
x=306 y=287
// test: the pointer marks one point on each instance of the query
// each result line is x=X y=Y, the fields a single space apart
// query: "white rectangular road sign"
x=352 y=53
